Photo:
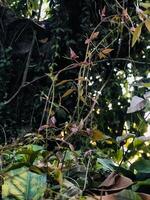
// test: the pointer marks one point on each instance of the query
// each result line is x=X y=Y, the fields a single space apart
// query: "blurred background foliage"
x=48 y=29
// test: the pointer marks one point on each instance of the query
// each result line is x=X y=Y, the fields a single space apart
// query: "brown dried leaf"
x=63 y=82
x=115 y=182
x=94 y=35
x=68 y=92
x=105 y=52
x=144 y=196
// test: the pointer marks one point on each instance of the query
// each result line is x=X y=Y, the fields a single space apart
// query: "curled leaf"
x=73 y=55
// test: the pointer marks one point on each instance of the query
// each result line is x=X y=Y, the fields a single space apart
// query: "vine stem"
x=86 y=174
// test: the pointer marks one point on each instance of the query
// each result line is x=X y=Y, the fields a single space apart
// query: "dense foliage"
x=74 y=99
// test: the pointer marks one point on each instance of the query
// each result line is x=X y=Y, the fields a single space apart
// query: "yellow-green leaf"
x=146 y=85
x=58 y=176
x=68 y=92
x=136 y=34
x=22 y=184
x=147 y=24
x=145 y=5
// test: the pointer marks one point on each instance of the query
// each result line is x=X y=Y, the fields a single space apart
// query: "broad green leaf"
x=128 y=195
x=147 y=24
x=143 y=184
x=137 y=143
x=136 y=34
x=123 y=195
x=141 y=166
x=23 y=185
x=30 y=152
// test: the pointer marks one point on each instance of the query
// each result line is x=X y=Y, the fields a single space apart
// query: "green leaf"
x=119 y=155
x=128 y=195
x=106 y=163
x=141 y=184
x=58 y=176
x=137 y=143
x=141 y=166
x=136 y=34
x=23 y=185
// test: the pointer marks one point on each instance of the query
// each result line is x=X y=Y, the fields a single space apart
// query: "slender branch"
x=3 y=130
x=123 y=59
x=86 y=174
x=24 y=74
